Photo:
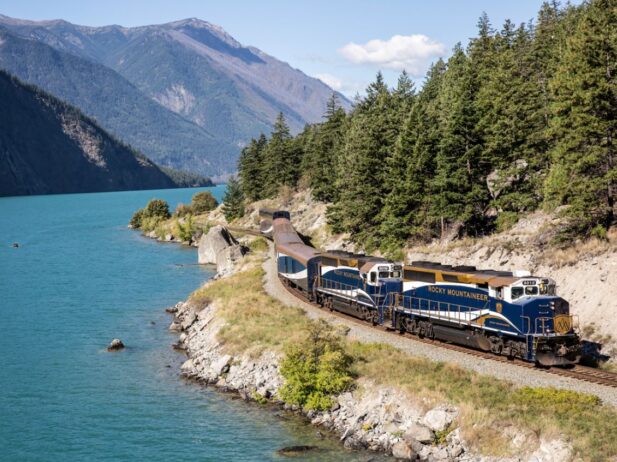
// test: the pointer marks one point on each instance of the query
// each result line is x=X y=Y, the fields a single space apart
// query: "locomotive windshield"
x=532 y=288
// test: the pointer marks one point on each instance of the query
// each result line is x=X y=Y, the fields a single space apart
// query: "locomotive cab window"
x=395 y=274
x=531 y=290
x=384 y=275
x=517 y=292
x=373 y=276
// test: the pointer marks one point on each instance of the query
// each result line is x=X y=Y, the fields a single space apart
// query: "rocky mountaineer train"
x=508 y=313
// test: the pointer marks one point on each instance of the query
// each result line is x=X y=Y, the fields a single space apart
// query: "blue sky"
x=343 y=42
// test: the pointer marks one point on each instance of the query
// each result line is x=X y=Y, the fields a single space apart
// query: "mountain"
x=116 y=104
x=196 y=70
x=48 y=146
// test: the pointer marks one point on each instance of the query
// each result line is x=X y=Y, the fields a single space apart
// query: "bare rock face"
x=219 y=247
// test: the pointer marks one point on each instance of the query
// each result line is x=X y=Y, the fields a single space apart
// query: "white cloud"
x=348 y=88
x=409 y=52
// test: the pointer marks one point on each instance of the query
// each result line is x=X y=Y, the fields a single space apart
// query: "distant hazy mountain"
x=194 y=69
x=48 y=146
x=116 y=104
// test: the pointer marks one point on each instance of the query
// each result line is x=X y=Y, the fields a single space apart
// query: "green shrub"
x=316 y=369
x=186 y=230
x=203 y=202
x=599 y=232
x=136 y=219
x=157 y=208
x=183 y=210
x=505 y=221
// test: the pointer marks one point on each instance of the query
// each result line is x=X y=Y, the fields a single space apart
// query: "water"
x=79 y=279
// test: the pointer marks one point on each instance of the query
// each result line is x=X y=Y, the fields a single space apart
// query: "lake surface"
x=79 y=279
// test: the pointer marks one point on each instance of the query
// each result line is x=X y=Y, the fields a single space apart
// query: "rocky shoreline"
x=380 y=419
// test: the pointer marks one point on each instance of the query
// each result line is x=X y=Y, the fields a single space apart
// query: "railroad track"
x=581 y=373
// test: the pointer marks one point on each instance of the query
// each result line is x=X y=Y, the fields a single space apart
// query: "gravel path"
x=511 y=373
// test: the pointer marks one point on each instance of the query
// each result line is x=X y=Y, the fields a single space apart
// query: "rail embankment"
x=242 y=334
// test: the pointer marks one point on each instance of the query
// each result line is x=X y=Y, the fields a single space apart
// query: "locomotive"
x=507 y=313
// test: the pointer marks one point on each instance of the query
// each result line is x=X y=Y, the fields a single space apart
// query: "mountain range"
x=48 y=146
x=185 y=93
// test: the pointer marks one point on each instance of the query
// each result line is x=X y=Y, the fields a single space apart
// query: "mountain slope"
x=117 y=105
x=48 y=146
x=197 y=70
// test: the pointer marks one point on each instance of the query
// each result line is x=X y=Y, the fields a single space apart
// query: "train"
x=514 y=314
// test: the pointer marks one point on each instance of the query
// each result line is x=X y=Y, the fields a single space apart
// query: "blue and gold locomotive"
x=512 y=314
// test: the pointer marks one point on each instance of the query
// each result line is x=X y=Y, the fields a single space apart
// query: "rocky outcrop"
x=115 y=345
x=219 y=247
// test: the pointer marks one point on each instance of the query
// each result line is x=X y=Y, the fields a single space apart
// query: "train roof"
x=356 y=260
x=465 y=274
x=287 y=240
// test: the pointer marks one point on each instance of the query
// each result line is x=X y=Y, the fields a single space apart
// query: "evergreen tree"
x=323 y=150
x=251 y=169
x=280 y=160
x=233 y=201
x=584 y=171
x=361 y=170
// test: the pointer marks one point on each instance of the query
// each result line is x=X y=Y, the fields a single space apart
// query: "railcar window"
x=325 y=261
x=531 y=290
x=396 y=274
x=383 y=275
x=422 y=276
x=449 y=278
x=517 y=292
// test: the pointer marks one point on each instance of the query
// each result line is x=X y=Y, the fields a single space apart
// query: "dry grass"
x=254 y=321
x=568 y=256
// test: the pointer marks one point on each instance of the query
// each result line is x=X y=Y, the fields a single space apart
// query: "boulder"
x=115 y=345
x=220 y=364
x=227 y=258
x=439 y=418
x=210 y=244
x=552 y=451
x=403 y=451
x=420 y=433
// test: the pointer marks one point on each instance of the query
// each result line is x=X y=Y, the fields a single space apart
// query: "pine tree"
x=458 y=191
x=251 y=169
x=324 y=150
x=233 y=201
x=282 y=166
x=361 y=169
x=584 y=171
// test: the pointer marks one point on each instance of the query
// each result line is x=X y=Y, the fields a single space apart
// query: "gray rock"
x=403 y=451
x=439 y=418
x=210 y=244
x=227 y=258
x=420 y=433
x=115 y=345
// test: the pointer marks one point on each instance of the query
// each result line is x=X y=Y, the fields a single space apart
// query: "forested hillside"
x=524 y=117
x=48 y=146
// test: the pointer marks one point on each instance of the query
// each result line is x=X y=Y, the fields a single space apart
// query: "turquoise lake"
x=80 y=278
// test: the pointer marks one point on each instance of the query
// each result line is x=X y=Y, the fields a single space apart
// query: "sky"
x=342 y=42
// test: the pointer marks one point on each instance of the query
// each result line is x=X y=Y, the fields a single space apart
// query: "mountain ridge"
x=196 y=70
